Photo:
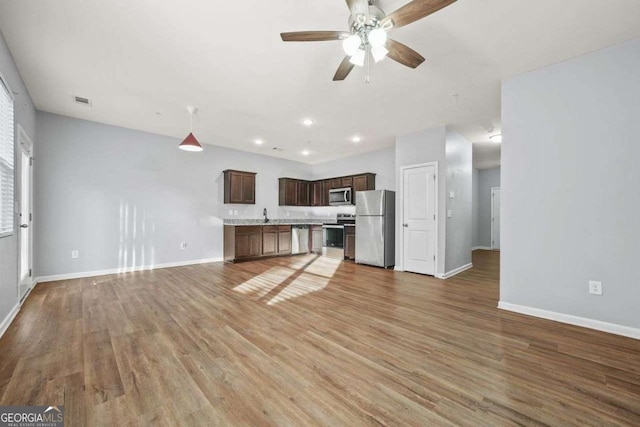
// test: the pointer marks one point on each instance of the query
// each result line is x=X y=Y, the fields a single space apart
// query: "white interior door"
x=495 y=218
x=25 y=213
x=419 y=220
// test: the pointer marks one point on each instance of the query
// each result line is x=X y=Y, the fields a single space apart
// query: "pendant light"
x=190 y=143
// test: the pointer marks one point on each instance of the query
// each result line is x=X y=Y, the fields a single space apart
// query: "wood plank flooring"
x=309 y=341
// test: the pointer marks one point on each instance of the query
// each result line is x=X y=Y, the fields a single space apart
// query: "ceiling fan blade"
x=358 y=6
x=415 y=10
x=403 y=54
x=344 y=69
x=313 y=36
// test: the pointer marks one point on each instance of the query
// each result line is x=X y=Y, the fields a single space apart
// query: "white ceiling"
x=135 y=59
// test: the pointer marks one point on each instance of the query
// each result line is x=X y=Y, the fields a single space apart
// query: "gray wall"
x=570 y=199
x=459 y=170
x=126 y=198
x=24 y=116
x=487 y=179
x=475 y=221
x=422 y=147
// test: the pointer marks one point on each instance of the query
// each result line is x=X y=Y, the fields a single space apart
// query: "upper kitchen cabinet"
x=316 y=193
x=364 y=182
x=293 y=192
x=239 y=187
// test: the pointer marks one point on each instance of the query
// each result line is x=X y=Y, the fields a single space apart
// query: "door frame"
x=400 y=265
x=492 y=215
x=25 y=141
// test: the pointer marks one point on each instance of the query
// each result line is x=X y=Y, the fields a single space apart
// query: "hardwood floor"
x=305 y=341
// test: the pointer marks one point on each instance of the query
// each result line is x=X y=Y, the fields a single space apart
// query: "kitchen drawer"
x=269 y=228
x=284 y=228
x=248 y=229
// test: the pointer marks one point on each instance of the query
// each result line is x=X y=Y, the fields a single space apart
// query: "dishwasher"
x=300 y=239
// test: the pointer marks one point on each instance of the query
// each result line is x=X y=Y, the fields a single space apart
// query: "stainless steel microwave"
x=340 y=196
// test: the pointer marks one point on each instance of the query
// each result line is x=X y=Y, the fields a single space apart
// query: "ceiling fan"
x=368 y=26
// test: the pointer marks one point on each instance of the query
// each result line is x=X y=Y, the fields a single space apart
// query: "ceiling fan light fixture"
x=351 y=44
x=379 y=53
x=377 y=37
x=358 y=58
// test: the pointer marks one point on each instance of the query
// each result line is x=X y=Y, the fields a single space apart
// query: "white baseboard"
x=8 y=319
x=84 y=274
x=482 y=248
x=598 y=325
x=454 y=272
x=397 y=268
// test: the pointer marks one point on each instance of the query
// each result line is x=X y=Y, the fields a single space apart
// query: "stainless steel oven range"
x=333 y=236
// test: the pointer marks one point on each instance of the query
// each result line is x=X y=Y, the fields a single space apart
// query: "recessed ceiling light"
x=497 y=138
x=307 y=122
x=356 y=139
x=259 y=141
x=305 y=153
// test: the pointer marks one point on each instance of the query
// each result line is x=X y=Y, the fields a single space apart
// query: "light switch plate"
x=452 y=195
x=449 y=213
x=75 y=254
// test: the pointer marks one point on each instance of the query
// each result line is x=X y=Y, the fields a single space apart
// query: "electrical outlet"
x=452 y=195
x=595 y=288
x=235 y=212
x=183 y=245
x=230 y=211
x=75 y=254
x=449 y=213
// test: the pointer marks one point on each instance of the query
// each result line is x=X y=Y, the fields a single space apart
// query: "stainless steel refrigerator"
x=375 y=228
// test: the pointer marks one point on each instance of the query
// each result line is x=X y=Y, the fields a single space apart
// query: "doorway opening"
x=25 y=282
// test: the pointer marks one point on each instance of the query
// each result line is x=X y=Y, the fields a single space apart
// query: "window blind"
x=6 y=162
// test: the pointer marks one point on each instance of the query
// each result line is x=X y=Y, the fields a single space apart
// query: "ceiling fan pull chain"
x=366 y=77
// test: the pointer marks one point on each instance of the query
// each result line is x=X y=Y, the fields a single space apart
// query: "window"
x=6 y=161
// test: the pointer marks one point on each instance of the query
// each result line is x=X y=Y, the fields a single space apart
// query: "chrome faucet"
x=264 y=213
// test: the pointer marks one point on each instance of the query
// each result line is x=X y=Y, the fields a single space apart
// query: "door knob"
x=24 y=225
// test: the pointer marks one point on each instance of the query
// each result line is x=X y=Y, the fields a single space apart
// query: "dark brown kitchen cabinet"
x=364 y=182
x=242 y=242
x=326 y=186
x=294 y=192
x=269 y=240
x=298 y=192
x=350 y=242
x=239 y=187
x=303 y=193
x=284 y=239
x=316 y=194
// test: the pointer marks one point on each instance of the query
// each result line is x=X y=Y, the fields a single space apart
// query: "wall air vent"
x=81 y=100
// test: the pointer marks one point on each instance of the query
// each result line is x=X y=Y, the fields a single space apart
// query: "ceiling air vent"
x=81 y=100
x=277 y=149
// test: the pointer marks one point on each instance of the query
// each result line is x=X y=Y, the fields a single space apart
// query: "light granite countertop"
x=288 y=221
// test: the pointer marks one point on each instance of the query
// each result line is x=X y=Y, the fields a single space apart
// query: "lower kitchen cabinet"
x=284 y=239
x=255 y=241
x=269 y=240
x=245 y=242
x=350 y=242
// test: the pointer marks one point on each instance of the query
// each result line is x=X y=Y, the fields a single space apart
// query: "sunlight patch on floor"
x=263 y=283
x=301 y=285
x=323 y=266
